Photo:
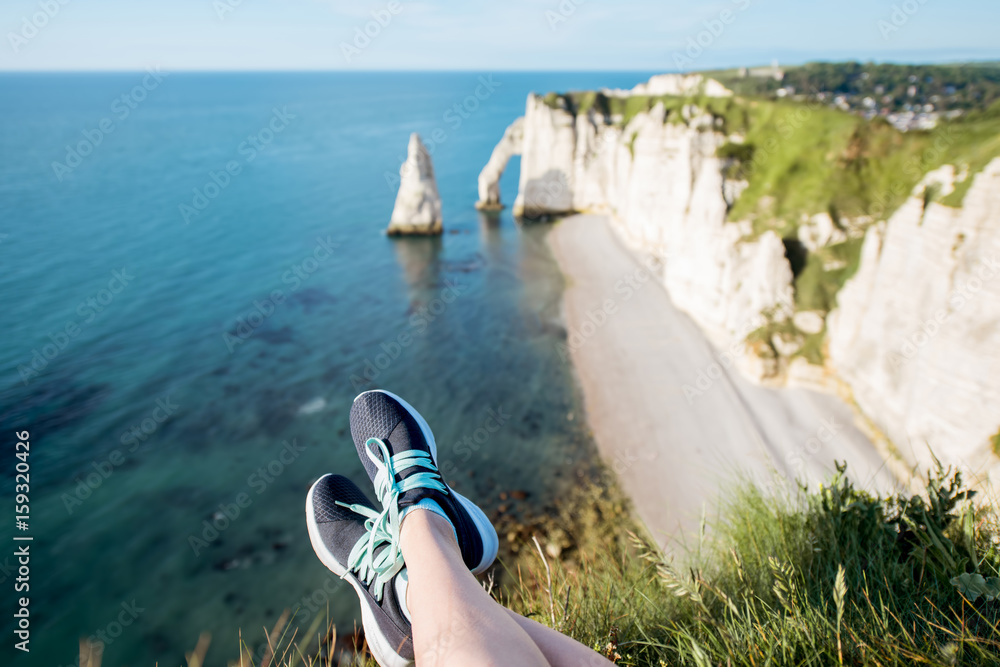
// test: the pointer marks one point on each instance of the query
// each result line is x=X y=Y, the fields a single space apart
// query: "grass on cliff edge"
x=803 y=158
x=825 y=577
x=828 y=576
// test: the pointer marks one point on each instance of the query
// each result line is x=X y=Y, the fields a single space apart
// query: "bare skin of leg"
x=455 y=622
x=558 y=649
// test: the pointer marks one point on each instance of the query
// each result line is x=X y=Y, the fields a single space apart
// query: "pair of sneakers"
x=360 y=542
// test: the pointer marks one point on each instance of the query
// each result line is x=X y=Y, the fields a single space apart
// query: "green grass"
x=816 y=287
x=812 y=344
x=623 y=109
x=631 y=144
x=800 y=160
x=812 y=348
x=826 y=576
x=808 y=159
x=995 y=440
x=978 y=143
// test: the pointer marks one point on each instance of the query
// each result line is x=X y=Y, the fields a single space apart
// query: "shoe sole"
x=488 y=534
x=379 y=644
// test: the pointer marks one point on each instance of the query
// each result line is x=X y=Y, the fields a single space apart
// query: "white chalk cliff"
x=917 y=331
x=662 y=183
x=916 y=336
x=681 y=84
x=418 y=204
x=489 y=177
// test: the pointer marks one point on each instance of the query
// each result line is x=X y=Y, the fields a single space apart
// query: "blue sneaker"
x=397 y=449
x=343 y=533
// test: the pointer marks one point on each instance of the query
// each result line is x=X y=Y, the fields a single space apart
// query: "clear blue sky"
x=488 y=35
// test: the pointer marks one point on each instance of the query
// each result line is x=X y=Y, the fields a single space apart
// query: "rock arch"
x=511 y=144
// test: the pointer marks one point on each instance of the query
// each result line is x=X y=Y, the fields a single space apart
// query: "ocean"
x=196 y=284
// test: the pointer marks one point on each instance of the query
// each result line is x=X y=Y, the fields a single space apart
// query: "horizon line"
x=434 y=70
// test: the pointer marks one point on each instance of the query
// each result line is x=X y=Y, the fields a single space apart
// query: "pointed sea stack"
x=418 y=204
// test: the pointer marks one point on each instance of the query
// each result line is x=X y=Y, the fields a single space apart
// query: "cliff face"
x=547 y=161
x=663 y=185
x=917 y=331
x=914 y=334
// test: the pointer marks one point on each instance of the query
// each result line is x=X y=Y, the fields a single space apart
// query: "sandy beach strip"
x=633 y=352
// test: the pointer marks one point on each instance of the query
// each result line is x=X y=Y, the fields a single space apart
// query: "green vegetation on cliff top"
x=620 y=110
x=802 y=158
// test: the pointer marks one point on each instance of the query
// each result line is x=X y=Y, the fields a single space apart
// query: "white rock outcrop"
x=916 y=334
x=418 y=204
x=820 y=230
x=662 y=183
x=683 y=85
x=548 y=152
x=917 y=331
x=489 y=178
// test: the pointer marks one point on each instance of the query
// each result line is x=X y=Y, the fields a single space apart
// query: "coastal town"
x=910 y=98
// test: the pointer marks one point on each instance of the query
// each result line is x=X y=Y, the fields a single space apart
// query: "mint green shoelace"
x=383 y=528
x=362 y=559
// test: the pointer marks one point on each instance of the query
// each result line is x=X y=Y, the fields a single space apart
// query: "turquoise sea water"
x=167 y=361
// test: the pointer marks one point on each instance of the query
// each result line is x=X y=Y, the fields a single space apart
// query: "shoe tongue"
x=373 y=586
x=401 y=583
x=407 y=436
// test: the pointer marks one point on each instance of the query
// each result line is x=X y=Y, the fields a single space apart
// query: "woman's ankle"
x=420 y=523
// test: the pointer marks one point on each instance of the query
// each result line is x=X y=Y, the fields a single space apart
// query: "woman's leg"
x=558 y=649
x=455 y=622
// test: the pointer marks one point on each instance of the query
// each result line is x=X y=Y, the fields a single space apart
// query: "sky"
x=501 y=35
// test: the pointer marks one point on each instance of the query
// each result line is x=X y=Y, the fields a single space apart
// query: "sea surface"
x=195 y=284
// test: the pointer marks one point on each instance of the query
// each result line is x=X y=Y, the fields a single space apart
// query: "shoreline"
x=675 y=453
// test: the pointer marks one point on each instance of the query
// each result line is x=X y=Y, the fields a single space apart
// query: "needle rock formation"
x=418 y=204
